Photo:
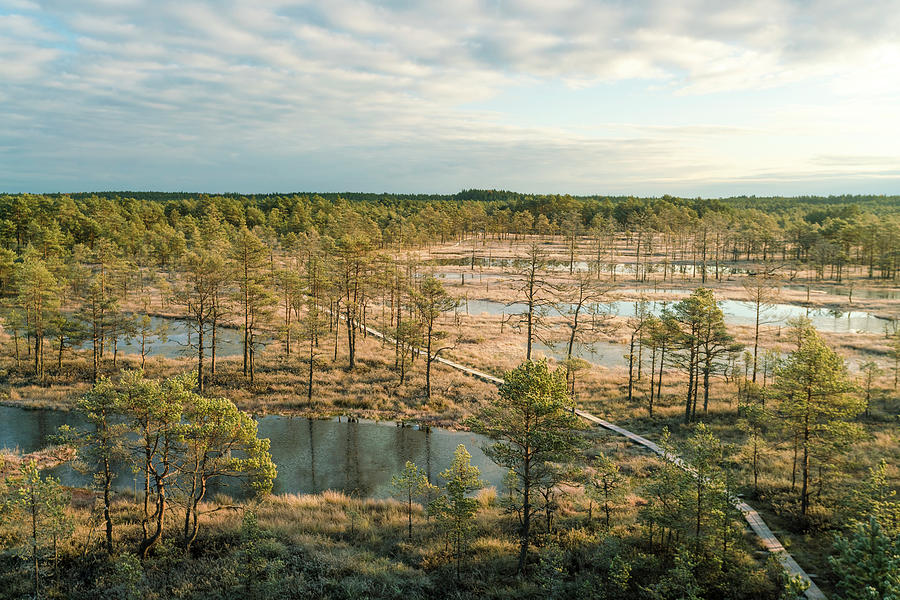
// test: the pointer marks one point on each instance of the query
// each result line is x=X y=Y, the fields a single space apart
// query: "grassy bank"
x=334 y=546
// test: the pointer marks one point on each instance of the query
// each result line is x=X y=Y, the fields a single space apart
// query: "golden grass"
x=339 y=523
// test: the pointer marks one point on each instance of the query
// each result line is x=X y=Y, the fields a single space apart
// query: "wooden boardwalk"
x=756 y=522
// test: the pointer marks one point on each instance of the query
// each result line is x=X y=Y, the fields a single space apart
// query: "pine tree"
x=762 y=294
x=216 y=442
x=867 y=563
x=203 y=274
x=816 y=405
x=248 y=257
x=702 y=452
x=666 y=512
x=101 y=445
x=154 y=412
x=455 y=509
x=37 y=289
x=755 y=422
x=535 y=428
x=876 y=497
x=636 y=333
x=41 y=505
x=431 y=301
x=870 y=372
x=534 y=288
x=409 y=484
x=607 y=485
x=584 y=306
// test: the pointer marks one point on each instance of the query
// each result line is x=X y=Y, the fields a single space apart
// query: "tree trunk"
x=804 y=491
x=530 y=316
x=706 y=371
x=107 y=484
x=526 y=519
x=309 y=389
x=428 y=360
x=652 y=377
x=34 y=550
x=756 y=338
x=246 y=322
x=662 y=361
x=409 y=514
x=691 y=384
x=351 y=339
x=38 y=367
x=200 y=356
x=631 y=368
x=212 y=357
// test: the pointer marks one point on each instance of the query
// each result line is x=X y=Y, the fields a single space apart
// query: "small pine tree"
x=409 y=484
x=875 y=497
x=455 y=509
x=535 y=429
x=679 y=583
x=867 y=564
x=606 y=485
x=41 y=505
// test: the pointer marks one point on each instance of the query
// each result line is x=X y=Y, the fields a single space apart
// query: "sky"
x=689 y=98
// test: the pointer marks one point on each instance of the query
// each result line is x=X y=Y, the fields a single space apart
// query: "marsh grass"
x=356 y=547
x=372 y=390
x=332 y=545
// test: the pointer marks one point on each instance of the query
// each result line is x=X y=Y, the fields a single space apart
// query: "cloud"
x=106 y=90
x=852 y=161
x=24 y=28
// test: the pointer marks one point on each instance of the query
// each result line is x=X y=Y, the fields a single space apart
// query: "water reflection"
x=842 y=290
x=679 y=269
x=604 y=354
x=736 y=312
x=178 y=342
x=311 y=455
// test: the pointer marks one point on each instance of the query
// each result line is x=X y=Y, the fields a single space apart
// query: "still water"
x=842 y=290
x=621 y=267
x=312 y=455
x=176 y=339
x=604 y=354
x=735 y=312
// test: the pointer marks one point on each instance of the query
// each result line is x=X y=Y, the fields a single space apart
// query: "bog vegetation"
x=724 y=330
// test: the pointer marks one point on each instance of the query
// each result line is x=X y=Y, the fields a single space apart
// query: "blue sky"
x=692 y=98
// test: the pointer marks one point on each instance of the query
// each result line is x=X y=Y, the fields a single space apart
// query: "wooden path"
x=756 y=523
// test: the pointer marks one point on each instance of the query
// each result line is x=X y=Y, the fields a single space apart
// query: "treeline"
x=826 y=234
x=301 y=289
x=215 y=271
x=878 y=202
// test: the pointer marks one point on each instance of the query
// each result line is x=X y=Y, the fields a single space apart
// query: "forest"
x=385 y=395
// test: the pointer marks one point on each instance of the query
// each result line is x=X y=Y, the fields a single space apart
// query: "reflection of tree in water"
x=411 y=442
x=351 y=460
x=428 y=455
x=312 y=456
x=46 y=426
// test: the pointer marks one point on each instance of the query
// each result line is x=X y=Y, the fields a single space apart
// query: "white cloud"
x=383 y=88
x=25 y=28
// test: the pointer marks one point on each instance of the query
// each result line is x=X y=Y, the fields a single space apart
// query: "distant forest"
x=824 y=232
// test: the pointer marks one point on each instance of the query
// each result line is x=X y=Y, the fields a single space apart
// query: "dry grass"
x=336 y=527
x=11 y=460
x=371 y=390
